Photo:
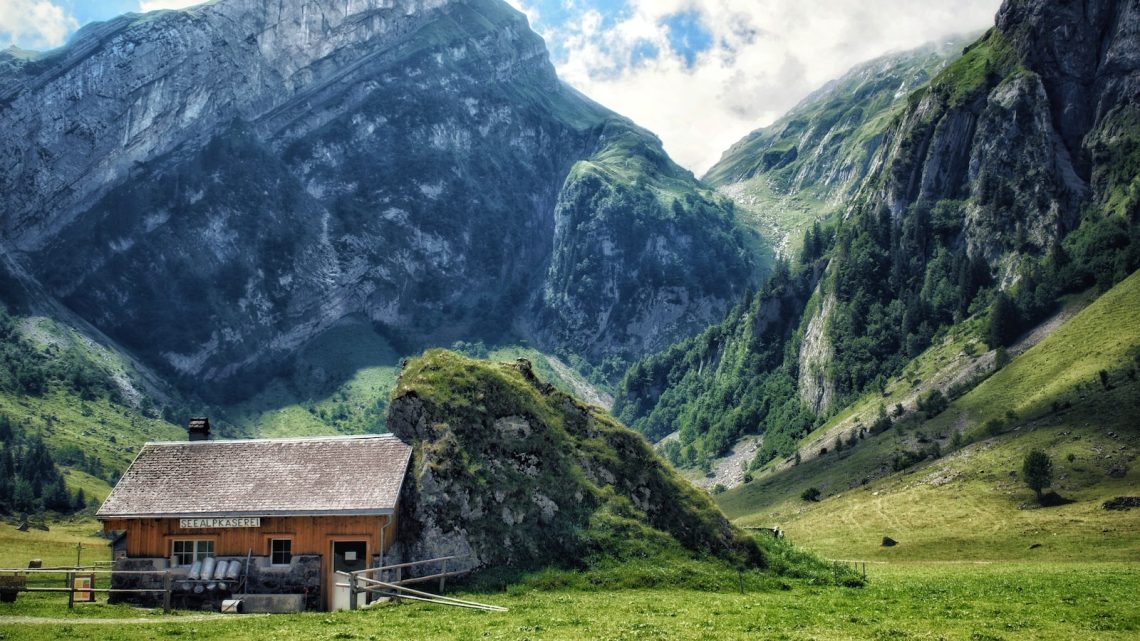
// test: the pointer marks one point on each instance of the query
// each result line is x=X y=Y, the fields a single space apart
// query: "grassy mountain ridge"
x=81 y=401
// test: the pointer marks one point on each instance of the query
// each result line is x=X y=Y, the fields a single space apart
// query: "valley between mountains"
x=313 y=219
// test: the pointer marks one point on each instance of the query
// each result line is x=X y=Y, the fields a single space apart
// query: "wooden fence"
x=389 y=581
x=16 y=580
x=858 y=567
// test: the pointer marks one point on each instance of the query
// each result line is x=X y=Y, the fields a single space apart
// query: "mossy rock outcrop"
x=507 y=471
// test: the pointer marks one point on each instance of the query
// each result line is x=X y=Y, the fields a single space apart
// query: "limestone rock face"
x=1014 y=145
x=816 y=354
x=215 y=187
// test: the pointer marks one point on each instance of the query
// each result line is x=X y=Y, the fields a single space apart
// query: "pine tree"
x=1002 y=328
x=1037 y=470
x=23 y=497
x=5 y=495
x=56 y=497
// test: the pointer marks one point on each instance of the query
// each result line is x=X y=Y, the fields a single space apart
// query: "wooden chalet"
x=284 y=514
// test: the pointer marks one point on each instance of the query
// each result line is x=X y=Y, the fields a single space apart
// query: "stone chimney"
x=199 y=429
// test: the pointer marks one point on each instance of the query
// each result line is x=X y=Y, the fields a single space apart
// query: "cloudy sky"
x=699 y=73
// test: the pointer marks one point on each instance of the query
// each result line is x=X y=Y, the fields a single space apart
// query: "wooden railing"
x=380 y=581
x=15 y=580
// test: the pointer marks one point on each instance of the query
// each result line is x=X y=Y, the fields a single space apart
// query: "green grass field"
x=55 y=547
x=968 y=506
x=906 y=601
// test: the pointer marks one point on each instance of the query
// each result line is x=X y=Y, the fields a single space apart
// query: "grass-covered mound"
x=516 y=474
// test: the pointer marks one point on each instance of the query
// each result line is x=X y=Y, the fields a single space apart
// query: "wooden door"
x=347 y=556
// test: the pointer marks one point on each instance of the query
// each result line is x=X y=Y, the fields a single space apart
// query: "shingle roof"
x=301 y=476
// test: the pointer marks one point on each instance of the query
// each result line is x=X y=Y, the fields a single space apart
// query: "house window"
x=186 y=552
x=280 y=551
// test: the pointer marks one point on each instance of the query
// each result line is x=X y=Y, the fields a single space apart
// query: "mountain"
x=216 y=188
x=806 y=165
x=1008 y=180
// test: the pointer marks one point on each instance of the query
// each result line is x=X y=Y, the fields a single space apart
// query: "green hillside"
x=80 y=398
x=964 y=499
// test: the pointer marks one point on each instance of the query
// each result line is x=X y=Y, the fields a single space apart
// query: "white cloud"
x=521 y=5
x=769 y=55
x=34 y=24
x=154 y=5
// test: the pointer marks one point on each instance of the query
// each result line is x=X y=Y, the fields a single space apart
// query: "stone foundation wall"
x=301 y=576
x=140 y=581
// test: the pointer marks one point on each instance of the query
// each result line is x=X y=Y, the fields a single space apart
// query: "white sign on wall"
x=191 y=524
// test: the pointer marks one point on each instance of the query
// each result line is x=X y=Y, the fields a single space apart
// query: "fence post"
x=442 y=576
x=399 y=578
x=70 y=589
x=167 y=586
x=352 y=591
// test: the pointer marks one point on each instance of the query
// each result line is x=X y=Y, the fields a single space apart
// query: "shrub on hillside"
x=994 y=427
x=882 y=421
x=933 y=403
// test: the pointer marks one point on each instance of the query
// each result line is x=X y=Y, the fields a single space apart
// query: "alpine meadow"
x=357 y=318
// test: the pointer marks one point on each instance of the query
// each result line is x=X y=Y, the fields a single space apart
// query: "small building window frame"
x=183 y=552
x=280 y=551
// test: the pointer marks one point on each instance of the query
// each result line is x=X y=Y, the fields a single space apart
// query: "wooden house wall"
x=310 y=534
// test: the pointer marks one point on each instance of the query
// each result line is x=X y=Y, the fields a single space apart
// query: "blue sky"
x=92 y=10
x=686 y=34
x=699 y=73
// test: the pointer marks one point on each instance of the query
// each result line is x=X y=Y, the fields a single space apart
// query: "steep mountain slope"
x=981 y=181
x=216 y=187
x=950 y=486
x=1007 y=180
x=807 y=164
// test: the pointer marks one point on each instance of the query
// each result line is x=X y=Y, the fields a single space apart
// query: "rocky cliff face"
x=215 y=187
x=816 y=355
x=1005 y=151
x=1010 y=130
